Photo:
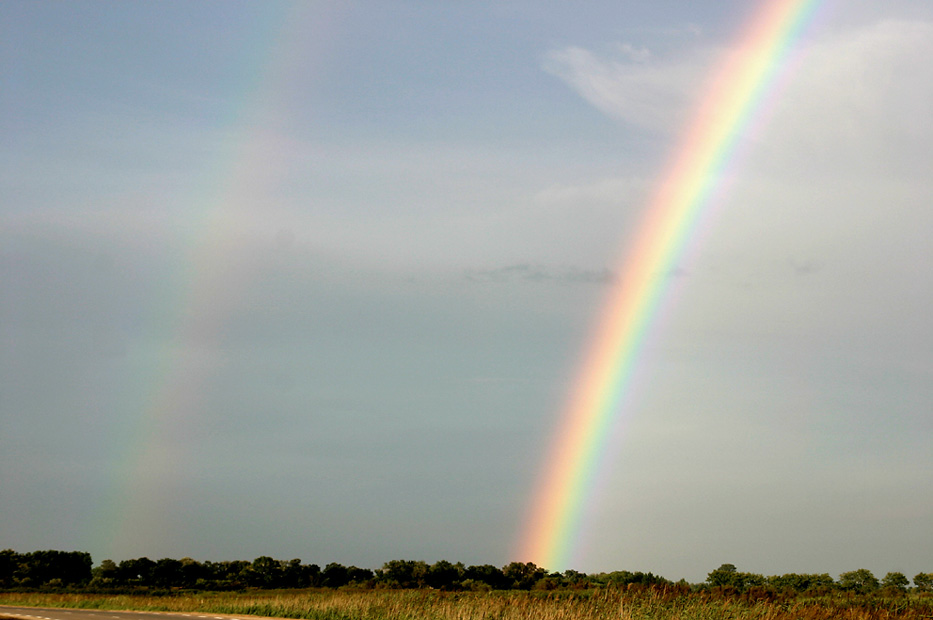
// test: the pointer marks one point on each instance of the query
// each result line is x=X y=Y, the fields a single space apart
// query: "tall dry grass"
x=645 y=604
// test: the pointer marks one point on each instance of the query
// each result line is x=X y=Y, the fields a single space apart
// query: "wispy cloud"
x=632 y=85
x=542 y=273
x=805 y=267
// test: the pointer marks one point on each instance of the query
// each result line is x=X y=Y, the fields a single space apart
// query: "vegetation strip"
x=626 y=603
x=74 y=570
x=405 y=589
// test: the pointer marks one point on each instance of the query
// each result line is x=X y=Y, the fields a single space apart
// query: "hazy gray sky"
x=315 y=281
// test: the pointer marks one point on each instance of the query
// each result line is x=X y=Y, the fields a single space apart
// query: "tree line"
x=860 y=581
x=75 y=570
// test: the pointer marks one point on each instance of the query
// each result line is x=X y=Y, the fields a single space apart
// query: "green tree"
x=167 y=573
x=359 y=576
x=403 y=573
x=106 y=574
x=624 y=577
x=444 y=576
x=924 y=582
x=233 y=573
x=895 y=581
x=861 y=580
x=9 y=559
x=725 y=575
x=312 y=573
x=137 y=571
x=61 y=567
x=191 y=572
x=800 y=582
x=294 y=575
x=335 y=575
x=266 y=572
x=574 y=579
x=523 y=576
x=487 y=574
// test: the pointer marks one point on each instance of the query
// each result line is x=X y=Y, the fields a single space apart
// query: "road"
x=43 y=613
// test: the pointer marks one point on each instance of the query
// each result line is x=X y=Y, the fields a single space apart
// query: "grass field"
x=645 y=604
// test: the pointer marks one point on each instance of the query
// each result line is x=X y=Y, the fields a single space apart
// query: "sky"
x=315 y=281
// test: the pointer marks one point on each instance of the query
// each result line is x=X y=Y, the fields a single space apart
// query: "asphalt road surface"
x=43 y=613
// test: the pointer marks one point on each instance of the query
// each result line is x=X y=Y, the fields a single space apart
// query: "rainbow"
x=735 y=99
x=212 y=272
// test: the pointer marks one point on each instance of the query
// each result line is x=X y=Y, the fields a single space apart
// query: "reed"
x=346 y=604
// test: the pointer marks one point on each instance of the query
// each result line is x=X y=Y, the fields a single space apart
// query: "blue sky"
x=314 y=281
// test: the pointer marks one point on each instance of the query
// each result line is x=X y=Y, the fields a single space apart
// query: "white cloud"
x=872 y=78
x=635 y=54
x=860 y=103
x=840 y=174
x=637 y=88
x=837 y=176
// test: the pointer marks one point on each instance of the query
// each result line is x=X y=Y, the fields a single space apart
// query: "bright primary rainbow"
x=734 y=99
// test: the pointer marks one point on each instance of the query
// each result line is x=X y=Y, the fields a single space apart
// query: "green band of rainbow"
x=734 y=99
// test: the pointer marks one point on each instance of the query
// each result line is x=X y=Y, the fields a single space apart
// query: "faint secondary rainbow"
x=734 y=99
x=211 y=273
